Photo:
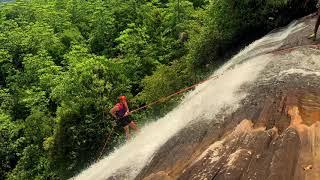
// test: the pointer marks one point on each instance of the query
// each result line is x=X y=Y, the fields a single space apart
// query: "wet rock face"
x=250 y=150
x=159 y=176
x=275 y=134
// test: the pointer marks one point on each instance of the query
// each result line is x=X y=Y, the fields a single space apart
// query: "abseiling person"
x=121 y=112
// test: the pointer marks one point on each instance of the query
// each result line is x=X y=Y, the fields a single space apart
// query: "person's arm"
x=113 y=111
x=128 y=111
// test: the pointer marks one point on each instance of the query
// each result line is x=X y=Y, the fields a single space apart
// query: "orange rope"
x=104 y=146
x=162 y=99
x=316 y=46
x=155 y=102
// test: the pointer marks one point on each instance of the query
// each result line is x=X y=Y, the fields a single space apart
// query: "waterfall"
x=202 y=104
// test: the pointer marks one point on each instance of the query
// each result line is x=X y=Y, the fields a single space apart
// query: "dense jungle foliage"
x=63 y=63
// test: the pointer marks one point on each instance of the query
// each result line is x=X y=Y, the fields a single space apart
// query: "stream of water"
x=201 y=104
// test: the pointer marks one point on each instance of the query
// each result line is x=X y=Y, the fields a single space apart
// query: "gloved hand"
x=127 y=113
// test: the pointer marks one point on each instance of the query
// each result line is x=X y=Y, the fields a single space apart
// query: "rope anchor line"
x=162 y=99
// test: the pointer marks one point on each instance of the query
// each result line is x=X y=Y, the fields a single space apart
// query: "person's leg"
x=313 y=36
x=134 y=126
x=317 y=25
x=127 y=131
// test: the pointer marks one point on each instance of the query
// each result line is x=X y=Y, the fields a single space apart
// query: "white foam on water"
x=264 y=45
x=203 y=103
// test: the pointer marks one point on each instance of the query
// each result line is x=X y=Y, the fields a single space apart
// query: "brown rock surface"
x=252 y=151
x=159 y=176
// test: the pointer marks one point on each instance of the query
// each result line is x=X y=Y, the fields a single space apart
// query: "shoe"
x=312 y=36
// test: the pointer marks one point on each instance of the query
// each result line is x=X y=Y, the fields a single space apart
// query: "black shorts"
x=124 y=121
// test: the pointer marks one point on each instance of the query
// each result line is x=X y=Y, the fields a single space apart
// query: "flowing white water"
x=202 y=103
x=262 y=46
